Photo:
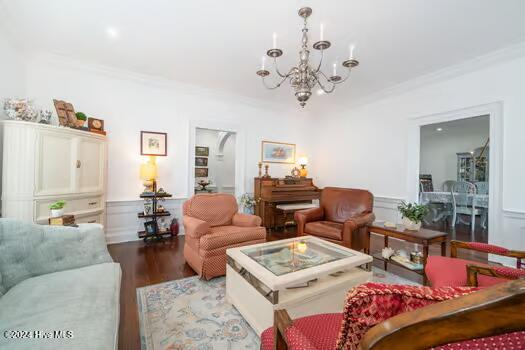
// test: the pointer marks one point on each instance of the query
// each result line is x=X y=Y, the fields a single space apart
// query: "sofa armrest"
x=28 y=250
x=246 y=220
x=302 y=217
x=195 y=228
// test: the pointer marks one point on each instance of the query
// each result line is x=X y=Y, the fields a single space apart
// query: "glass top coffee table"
x=305 y=275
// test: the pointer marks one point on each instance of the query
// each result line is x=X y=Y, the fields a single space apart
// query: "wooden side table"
x=424 y=237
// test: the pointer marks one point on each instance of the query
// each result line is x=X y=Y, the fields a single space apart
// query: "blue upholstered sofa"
x=59 y=288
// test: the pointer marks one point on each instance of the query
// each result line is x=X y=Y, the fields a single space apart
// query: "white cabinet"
x=44 y=163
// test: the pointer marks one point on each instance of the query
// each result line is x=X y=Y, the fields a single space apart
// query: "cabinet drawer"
x=91 y=219
x=73 y=206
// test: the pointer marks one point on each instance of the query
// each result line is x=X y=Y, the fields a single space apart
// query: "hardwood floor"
x=144 y=264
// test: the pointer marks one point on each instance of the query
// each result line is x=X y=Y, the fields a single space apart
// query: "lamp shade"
x=303 y=161
x=148 y=171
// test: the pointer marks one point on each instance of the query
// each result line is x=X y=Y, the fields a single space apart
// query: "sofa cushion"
x=28 y=250
x=326 y=229
x=443 y=271
x=226 y=236
x=217 y=209
x=84 y=301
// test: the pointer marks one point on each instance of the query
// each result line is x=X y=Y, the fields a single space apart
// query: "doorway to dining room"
x=454 y=163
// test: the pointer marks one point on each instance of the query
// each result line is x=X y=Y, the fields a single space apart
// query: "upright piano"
x=269 y=192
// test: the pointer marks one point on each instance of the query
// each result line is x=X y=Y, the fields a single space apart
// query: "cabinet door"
x=55 y=164
x=90 y=165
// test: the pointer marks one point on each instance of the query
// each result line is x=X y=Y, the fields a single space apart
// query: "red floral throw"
x=371 y=303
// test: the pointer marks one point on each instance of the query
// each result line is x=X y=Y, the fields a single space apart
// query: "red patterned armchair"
x=451 y=271
x=212 y=225
x=381 y=316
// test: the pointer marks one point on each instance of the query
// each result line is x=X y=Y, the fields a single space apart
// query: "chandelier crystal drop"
x=305 y=76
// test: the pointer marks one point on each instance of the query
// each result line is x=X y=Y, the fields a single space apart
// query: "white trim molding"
x=240 y=146
x=122 y=222
x=495 y=112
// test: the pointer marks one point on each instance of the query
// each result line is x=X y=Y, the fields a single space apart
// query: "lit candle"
x=352 y=48
x=335 y=70
x=322 y=32
x=263 y=62
x=274 y=40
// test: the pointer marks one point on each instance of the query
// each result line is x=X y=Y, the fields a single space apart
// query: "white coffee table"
x=304 y=275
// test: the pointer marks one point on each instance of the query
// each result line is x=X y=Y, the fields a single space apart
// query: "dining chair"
x=461 y=191
x=482 y=187
x=447 y=185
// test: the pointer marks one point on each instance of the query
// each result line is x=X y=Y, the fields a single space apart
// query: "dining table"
x=476 y=200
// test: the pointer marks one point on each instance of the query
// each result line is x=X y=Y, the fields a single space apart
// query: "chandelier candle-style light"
x=305 y=77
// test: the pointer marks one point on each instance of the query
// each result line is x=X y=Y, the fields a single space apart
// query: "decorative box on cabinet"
x=44 y=163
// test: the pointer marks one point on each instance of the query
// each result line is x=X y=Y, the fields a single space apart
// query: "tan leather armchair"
x=342 y=217
x=211 y=225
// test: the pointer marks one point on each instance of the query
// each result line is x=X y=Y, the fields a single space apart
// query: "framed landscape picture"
x=201 y=161
x=201 y=172
x=277 y=152
x=201 y=151
x=153 y=143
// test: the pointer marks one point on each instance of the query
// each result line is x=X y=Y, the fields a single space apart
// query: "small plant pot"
x=411 y=225
x=56 y=213
x=80 y=123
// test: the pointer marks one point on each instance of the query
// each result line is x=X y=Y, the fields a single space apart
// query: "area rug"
x=191 y=314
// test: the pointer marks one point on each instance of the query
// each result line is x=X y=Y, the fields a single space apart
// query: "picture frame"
x=148 y=207
x=277 y=152
x=201 y=172
x=151 y=227
x=201 y=161
x=153 y=143
x=202 y=151
x=96 y=125
x=65 y=112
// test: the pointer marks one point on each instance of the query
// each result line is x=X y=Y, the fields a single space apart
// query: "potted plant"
x=81 y=119
x=57 y=209
x=248 y=203
x=412 y=214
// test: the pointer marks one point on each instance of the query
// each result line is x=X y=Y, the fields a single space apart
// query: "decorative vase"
x=174 y=227
x=56 y=213
x=247 y=210
x=411 y=225
x=80 y=123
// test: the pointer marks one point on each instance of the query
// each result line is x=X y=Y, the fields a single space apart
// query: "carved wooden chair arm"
x=281 y=322
x=486 y=248
x=490 y=311
x=493 y=271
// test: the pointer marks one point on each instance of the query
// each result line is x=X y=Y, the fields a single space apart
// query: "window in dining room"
x=454 y=175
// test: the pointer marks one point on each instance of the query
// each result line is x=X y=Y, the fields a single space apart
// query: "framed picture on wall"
x=277 y=152
x=201 y=161
x=201 y=151
x=201 y=172
x=153 y=143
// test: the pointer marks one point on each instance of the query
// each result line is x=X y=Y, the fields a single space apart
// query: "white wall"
x=366 y=146
x=221 y=168
x=438 y=153
x=12 y=76
x=130 y=103
x=11 y=72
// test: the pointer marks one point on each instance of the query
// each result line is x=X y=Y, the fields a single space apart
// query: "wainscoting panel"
x=385 y=208
x=122 y=222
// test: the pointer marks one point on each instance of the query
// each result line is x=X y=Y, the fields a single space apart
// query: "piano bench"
x=289 y=209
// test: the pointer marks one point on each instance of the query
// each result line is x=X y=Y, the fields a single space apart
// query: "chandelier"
x=304 y=77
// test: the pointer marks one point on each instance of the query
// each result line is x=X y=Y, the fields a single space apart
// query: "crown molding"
x=493 y=58
x=154 y=81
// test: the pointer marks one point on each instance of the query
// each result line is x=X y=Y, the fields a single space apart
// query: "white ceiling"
x=219 y=44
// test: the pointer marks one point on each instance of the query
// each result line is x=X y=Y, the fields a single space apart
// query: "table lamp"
x=148 y=173
x=303 y=161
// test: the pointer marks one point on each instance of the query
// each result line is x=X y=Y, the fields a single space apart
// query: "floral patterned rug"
x=190 y=314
